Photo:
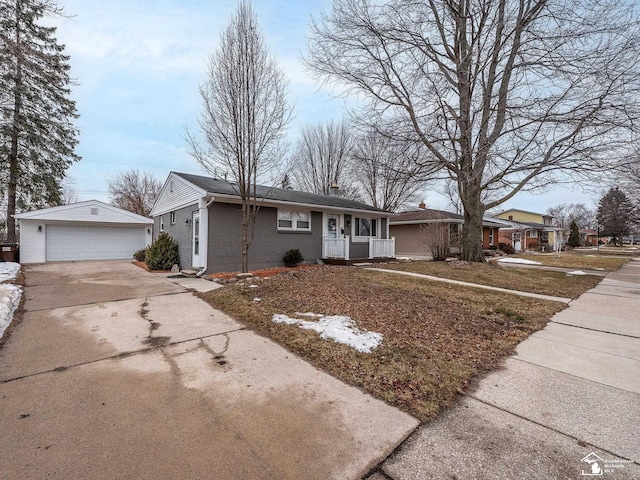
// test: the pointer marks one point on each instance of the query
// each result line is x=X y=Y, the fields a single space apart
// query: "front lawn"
x=557 y=284
x=578 y=259
x=437 y=337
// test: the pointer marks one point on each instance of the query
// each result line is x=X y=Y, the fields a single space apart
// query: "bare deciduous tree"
x=504 y=95
x=388 y=172
x=134 y=191
x=321 y=159
x=245 y=113
x=565 y=213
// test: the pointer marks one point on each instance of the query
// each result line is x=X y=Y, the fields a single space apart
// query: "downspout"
x=204 y=238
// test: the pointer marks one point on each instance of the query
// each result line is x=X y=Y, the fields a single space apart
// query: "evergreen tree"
x=615 y=214
x=37 y=136
x=574 y=235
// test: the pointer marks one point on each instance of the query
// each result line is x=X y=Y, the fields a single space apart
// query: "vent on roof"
x=94 y=211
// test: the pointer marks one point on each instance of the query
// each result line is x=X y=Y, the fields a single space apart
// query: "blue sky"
x=139 y=64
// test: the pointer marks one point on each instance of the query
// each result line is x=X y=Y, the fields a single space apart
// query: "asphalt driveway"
x=118 y=373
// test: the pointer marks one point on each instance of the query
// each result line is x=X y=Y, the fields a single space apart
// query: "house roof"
x=524 y=211
x=516 y=225
x=92 y=211
x=216 y=186
x=428 y=215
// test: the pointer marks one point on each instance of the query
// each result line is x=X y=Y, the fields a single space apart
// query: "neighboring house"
x=529 y=231
x=89 y=230
x=588 y=238
x=408 y=230
x=204 y=216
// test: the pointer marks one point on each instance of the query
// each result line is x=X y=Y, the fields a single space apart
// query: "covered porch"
x=338 y=251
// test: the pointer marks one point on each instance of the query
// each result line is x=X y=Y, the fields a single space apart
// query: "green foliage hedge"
x=163 y=253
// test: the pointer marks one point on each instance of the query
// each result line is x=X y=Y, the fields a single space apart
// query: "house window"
x=172 y=218
x=291 y=220
x=491 y=236
x=162 y=223
x=365 y=227
x=533 y=234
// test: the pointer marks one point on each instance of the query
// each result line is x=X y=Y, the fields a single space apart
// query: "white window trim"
x=172 y=218
x=162 y=223
x=294 y=221
x=491 y=237
x=360 y=239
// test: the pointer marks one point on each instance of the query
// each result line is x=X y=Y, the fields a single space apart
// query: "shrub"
x=293 y=257
x=140 y=255
x=507 y=248
x=435 y=237
x=163 y=253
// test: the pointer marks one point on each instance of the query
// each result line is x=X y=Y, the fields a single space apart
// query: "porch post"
x=204 y=232
x=346 y=247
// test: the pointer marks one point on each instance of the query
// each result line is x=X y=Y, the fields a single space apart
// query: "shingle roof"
x=222 y=187
x=426 y=214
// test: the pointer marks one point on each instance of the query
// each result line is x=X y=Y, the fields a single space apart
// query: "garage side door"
x=89 y=242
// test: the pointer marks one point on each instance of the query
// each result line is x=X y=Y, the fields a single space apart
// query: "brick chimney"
x=334 y=190
x=422 y=206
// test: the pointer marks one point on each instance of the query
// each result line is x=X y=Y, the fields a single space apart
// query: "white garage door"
x=89 y=242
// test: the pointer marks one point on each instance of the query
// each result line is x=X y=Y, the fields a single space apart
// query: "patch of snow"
x=522 y=261
x=253 y=286
x=9 y=300
x=599 y=269
x=338 y=328
x=8 y=271
x=257 y=299
x=577 y=272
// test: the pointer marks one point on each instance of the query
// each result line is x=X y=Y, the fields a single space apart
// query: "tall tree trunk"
x=12 y=187
x=245 y=237
x=472 y=228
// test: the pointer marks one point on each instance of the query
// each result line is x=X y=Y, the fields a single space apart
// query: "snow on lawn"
x=335 y=327
x=9 y=300
x=577 y=272
x=8 y=271
x=522 y=261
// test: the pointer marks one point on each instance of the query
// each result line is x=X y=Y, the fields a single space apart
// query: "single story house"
x=204 y=216
x=408 y=230
x=89 y=230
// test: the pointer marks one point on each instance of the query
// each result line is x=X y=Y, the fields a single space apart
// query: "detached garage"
x=89 y=230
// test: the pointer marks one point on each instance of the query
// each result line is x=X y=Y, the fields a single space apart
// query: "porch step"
x=189 y=272
x=363 y=264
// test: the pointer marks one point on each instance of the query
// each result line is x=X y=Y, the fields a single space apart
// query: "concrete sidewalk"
x=473 y=285
x=114 y=372
x=565 y=406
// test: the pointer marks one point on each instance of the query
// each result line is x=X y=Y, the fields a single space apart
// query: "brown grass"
x=579 y=260
x=557 y=284
x=437 y=337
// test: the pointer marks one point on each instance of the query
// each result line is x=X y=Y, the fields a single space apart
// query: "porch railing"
x=336 y=248
x=382 y=248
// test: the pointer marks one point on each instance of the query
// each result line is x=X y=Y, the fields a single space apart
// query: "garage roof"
x=92 y=211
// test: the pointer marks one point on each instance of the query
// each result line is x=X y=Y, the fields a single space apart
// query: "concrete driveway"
x=118 y=373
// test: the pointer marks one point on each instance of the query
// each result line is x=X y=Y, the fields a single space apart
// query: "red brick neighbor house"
x=408 y=228
x=529 y=231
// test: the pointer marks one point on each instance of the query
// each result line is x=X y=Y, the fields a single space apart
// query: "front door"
x=195 y=247
x=333 y=226
x=517 y=242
